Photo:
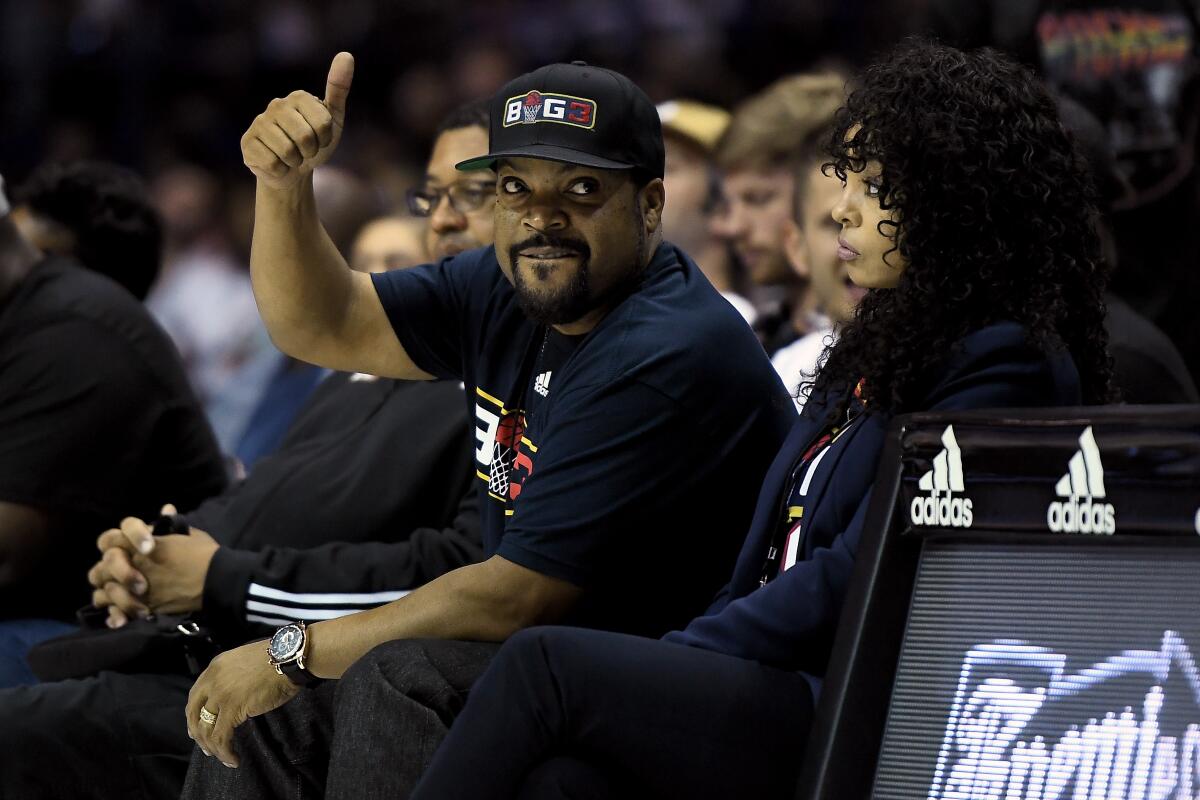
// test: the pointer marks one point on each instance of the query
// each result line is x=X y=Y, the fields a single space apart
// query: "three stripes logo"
x=541 y=384
x=1081 y=487
x=940 y=506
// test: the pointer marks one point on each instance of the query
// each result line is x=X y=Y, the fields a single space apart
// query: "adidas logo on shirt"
x=1082 y=486
x=940 y=507
x=541 y=384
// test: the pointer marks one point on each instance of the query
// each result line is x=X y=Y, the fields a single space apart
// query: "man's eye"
x=873 y=188
x=758 y=198
x=583 y=186
x=511 y=186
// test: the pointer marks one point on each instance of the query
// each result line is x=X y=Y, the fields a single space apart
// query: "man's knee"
x=400 y=665
x=431 y=672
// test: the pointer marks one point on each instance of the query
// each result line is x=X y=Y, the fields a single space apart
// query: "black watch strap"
x=298 y=674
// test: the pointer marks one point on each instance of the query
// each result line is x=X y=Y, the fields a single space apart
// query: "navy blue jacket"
x=790 y=623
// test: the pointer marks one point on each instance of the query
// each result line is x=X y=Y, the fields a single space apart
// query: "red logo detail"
x=533 y=99
x=580 y=113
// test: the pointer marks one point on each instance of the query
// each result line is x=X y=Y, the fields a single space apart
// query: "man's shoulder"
x=58 y=287
x=676 y=333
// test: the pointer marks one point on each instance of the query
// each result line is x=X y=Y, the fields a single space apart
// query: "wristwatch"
x=287 y=650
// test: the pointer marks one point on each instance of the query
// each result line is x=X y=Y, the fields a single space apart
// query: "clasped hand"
x=140 y=573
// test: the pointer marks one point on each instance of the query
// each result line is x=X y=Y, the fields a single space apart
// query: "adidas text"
x=1082 y=515
x=1082 y=509
x=941 y=507
x=945 y=511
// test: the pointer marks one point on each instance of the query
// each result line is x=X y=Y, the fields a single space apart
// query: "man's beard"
x=565 y=304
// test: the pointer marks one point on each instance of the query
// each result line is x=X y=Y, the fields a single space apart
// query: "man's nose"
x=545 y=217
x=445 y=217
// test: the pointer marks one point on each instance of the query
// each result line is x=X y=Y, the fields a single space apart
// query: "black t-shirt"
x=97 y=422
x=365 y=459
x=635 y=474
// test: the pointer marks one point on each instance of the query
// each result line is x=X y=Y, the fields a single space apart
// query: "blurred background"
x=167 y=88
x=153 y=85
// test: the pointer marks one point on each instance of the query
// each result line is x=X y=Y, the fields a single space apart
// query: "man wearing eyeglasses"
x=457 y=204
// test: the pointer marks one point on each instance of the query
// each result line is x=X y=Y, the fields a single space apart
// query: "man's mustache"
x=577 y=246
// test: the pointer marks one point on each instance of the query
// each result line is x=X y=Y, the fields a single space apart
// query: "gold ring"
x=207 y=717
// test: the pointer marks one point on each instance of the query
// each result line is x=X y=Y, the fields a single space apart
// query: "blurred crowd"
x=165 y=89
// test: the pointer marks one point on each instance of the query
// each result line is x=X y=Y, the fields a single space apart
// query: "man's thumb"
x=168 y=510
x=337 y=85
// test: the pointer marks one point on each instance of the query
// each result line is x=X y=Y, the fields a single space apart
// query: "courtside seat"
x=1022 y=621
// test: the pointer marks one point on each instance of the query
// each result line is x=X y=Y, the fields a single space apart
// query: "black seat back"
x=1023 y=611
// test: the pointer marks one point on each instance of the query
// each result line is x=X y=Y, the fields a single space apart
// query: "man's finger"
x=337 y=86
x=120 y=598
x=316 y=114
x=116 y=618
x=279 y=143
x=114 y=538
x=138 y=533
x=299 y=131
x=98 y=576
x=196 y=698
x=262 y=161
x=220 y=737
x=116 y=564
x=168 y=510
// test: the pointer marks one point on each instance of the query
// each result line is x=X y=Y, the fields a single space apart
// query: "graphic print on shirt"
x=504 y=455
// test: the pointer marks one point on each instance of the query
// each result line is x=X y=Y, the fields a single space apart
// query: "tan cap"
x=701 y=123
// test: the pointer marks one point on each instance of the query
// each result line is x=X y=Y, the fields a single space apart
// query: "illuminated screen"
x=1040 y=672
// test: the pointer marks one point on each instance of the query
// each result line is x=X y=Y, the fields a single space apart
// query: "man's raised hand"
x=298 y=133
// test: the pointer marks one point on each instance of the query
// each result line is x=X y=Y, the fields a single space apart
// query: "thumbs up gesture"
x=298 y=133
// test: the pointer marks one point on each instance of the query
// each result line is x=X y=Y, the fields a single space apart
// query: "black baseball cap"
x=575 y=113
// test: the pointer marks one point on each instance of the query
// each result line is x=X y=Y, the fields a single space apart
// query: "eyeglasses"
x=464 y=197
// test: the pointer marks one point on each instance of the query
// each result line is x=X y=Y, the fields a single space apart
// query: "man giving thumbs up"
x=597 y=360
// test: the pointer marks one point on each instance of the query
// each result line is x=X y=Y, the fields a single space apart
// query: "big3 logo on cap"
x=535 y=106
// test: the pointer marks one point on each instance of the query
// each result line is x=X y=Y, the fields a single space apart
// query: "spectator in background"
x=260 y=401
x=1135 y=66
x=391 y=242
x=690 y=132
x=459 y=205
x=757 y=184
x=812 y=248
x=204 y=299
x=96 y=421
x=371 y=493
x=98 y=213
x=1147 y=366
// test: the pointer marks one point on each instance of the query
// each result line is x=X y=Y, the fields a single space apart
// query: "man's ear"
x=653 y=196
x=796 y=249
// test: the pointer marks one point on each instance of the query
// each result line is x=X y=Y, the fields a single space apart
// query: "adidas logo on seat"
x=541 y=384
x=1082 y=486
x=940 y=507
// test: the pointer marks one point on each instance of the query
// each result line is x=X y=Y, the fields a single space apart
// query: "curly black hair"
x=992 y=210
x=107 y=209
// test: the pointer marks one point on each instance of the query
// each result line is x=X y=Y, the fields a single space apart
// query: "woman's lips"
x=845 y=252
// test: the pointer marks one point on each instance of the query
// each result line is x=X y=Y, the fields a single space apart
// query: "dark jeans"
x=16 y=637
x=571 y=713
x=111 y=735
x=370 y=734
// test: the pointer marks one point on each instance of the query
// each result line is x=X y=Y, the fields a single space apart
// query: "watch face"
x=286 y=642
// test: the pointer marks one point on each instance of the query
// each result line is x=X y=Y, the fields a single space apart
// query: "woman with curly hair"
x=965 y=212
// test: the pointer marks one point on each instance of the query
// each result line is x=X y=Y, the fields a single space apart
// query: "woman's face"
x=861 y=245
